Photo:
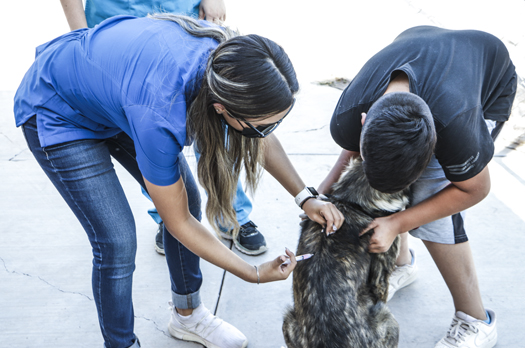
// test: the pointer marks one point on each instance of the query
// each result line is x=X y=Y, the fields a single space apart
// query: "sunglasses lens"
x=268 y=128
x=260 y=131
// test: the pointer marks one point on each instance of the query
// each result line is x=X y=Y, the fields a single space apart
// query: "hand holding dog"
x=385 y=231
x=325 y=214
x=277 y=269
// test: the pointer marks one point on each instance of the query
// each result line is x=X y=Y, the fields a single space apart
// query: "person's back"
x=454 y=60
x=154 y=75
x=99 y=10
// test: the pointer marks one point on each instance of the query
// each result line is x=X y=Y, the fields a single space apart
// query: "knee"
x=116 y=253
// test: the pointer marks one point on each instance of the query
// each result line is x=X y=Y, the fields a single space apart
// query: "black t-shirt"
x=465 y=77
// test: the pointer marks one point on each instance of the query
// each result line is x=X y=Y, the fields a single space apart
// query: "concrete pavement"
x=45 y=257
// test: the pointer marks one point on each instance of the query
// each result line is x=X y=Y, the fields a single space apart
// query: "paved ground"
x=45 y=258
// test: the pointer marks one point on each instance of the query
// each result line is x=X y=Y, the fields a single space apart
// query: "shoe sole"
x=159 y=250
x=225 y=235
x=186 y=336
x=242 y=249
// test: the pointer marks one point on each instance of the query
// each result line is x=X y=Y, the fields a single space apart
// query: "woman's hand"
x=386 y=230
x=277 y=269
x=324 y=213
x=213 y=11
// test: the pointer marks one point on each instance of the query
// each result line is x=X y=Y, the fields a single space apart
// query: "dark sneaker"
x=249 y=240
x=159 y=240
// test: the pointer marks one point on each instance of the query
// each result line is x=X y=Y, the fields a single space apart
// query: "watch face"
x=313 y=191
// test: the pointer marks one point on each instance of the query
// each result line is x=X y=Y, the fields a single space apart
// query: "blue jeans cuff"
x=136 y=344
x=189 y=301
x=243 y=221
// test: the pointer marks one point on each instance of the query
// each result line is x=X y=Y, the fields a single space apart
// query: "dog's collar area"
x=373 y=213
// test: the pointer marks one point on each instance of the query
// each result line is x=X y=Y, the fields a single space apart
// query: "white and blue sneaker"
x=468 y=332
x=402 y=276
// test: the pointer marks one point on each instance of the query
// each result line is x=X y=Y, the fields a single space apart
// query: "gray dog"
x=340 y=293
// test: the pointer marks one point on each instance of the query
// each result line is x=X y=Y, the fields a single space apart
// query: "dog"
x=340 y=293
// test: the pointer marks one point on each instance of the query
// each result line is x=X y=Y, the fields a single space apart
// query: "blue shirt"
x=136 y=75
x=99 y=10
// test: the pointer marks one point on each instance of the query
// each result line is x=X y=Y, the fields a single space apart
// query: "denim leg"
x=183 y=265
x=186 y=276
x=241 y=203
x=83 y=174
x=122 y=148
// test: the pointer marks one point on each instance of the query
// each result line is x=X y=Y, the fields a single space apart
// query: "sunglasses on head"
x=261 y=131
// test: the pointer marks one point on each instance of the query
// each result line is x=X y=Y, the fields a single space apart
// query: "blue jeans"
x=241 y=204
x=83 y=173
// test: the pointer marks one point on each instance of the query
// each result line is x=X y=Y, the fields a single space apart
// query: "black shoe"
x=249 y=241
x=159 y=240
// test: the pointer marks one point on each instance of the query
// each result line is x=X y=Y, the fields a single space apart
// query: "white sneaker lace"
x=200 y=331
x=459 y=330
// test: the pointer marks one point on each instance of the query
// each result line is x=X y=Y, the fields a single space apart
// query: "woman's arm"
x=75 y=15
x=172 y=204
x=454 y=198
x=277 y=163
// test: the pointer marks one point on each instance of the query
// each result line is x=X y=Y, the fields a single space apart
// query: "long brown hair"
x=252 y=77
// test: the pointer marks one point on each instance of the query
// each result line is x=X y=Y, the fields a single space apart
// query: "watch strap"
x=306 y=193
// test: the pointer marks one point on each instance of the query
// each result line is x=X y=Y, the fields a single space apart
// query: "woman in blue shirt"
x=249 y=239
x=140 y=89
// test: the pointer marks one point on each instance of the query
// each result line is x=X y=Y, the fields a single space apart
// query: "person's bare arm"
x=172 y=204
x=453 y=199
x=75 y=15
x=336 y=171
x=277 y=163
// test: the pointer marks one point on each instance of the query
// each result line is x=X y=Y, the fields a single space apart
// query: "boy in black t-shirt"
x=424 y=111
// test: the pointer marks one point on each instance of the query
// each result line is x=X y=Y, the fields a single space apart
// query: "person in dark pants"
x=424 y=111
x=140 y=89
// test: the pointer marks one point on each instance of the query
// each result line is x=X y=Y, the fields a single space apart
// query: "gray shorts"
x=451 y=229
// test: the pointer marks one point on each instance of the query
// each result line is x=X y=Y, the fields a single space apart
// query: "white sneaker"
x=468 y=332
x=205 y=328
x=402 y=276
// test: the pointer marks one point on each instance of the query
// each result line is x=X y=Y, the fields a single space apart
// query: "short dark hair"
x=397 y=141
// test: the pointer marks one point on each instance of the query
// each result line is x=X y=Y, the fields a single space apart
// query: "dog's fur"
x=340 y=293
